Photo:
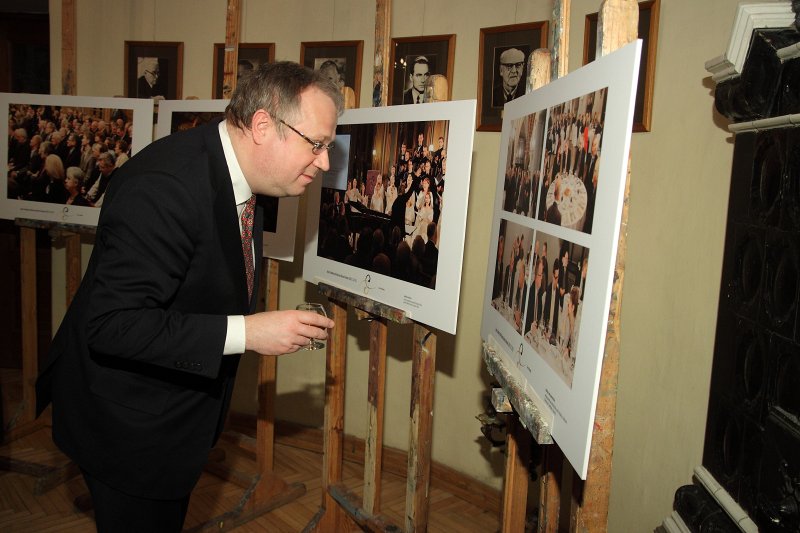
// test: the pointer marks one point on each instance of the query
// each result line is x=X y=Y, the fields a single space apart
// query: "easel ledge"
x=364 y=303
x=533 y=414
x=80 y=229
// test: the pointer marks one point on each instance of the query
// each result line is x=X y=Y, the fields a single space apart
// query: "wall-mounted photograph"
x=387 y=221
x=648 y=33
x=280 y=215
x=338 y=60
x=63 y=152
x=503 y=68
x=250 y=56
x=414 y=63
x=154 y=70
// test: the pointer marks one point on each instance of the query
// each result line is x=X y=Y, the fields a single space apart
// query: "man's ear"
x=261 y=125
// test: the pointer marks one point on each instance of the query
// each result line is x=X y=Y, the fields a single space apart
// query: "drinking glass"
x=313 y=344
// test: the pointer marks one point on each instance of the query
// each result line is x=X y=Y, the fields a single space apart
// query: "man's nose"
x=323 y=161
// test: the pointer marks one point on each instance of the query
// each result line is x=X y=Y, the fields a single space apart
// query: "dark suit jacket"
x=553 y=215
x=410 y=95
x=499 y=94
x=136 y=374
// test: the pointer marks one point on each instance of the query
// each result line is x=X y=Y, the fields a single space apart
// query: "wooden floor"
x=54 y=510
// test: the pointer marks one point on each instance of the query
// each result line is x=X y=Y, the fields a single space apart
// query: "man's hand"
x=281 y=332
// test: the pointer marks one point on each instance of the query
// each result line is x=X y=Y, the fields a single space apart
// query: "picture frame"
x=280 y=215
x=554 y=347
x=648 y=32
x=23 y=195
x=254 y=53
x=345 y=55
x=438 y=51
x=515 y=41
x=344 y=212
x=142 y=81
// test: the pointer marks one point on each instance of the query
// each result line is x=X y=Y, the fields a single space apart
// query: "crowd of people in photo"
x=399 y=215
x=544 y=298
x=65 y=155
x=572 y=149
x=520 y=188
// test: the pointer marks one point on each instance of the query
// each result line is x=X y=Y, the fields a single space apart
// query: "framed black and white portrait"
x=503 y=60
x=414 y=61
x=153 y=70
x=250 y=56
x=339 y=60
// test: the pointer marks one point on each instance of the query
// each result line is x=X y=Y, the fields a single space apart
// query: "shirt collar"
x=241 y=189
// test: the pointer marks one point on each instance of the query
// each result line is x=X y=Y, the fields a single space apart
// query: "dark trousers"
x=117 y=512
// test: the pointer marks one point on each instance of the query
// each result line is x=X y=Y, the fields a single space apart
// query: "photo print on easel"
x=63 y=151
x=280 y=215
x=560 y=189
x=387 y=221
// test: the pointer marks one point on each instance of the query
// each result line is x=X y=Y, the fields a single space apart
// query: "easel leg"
x=550 y=489
x=267 y=374
x=30 y=346
x=419 y=447
x=333 y=519
x=373 y=449
x=515 y=488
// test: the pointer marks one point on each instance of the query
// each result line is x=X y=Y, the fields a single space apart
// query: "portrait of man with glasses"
x=509 y=75
x=150 y=83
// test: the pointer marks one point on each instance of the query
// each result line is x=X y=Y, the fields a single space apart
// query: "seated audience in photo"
x=106 y=166
x=74 y=185
x=553 y=214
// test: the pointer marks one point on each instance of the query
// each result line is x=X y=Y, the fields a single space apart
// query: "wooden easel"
x=618 y=25
x=48 y=475
x=340 y=506
x=264 y=491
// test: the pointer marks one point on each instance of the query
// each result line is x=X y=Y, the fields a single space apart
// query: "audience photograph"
x=387 y=214
x=58 y=154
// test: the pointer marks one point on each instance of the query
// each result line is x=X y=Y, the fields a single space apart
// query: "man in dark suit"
x=420 y=71
x=553 y=214
x=141 y=371
x=511 y=70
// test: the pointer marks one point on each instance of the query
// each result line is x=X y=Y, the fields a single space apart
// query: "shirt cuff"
x=235 y=337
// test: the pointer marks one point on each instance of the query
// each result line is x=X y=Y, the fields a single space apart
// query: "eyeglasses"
x=316 y=146
x=509 y=66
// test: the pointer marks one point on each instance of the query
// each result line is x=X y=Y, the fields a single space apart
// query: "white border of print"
x=86 y=216
x=278 y=245
x=574 y=408
x=437 y=308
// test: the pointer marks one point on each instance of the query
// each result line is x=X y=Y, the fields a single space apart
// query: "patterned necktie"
x=247 y=243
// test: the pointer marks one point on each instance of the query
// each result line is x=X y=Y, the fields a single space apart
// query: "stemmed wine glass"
x=313 y=344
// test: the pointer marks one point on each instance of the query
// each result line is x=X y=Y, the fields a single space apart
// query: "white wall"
x=678 y=202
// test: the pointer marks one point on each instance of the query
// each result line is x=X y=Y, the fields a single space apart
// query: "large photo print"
x=280 y=215
x=63 y=151
x=558 y=205
x=388 y=219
